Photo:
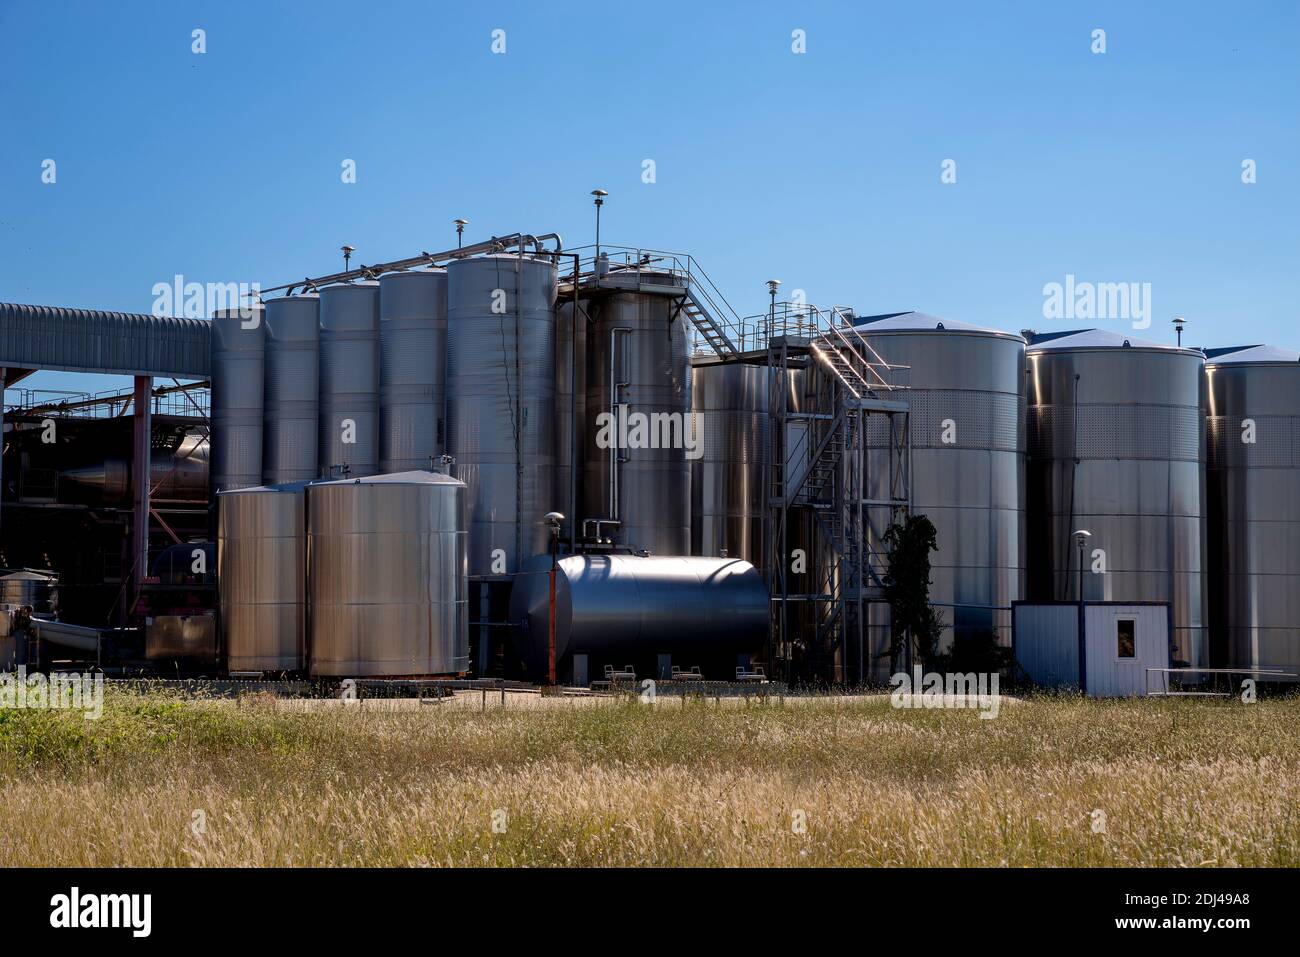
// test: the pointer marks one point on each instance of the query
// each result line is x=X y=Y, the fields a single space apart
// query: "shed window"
x=1125 y=630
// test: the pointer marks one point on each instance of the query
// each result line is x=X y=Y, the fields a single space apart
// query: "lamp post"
x=1081 y=537
x=772 y=286
x=460 y=231
x=554 y=520
x=600 y=195
x=1179 y=322
x=347 y=255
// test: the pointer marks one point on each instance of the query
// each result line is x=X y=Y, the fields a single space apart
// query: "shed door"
x=1124 y=641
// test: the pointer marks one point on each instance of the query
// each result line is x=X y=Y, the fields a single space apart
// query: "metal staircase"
x=709 y=329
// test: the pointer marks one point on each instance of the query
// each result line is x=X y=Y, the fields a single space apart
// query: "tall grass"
x=165 y=782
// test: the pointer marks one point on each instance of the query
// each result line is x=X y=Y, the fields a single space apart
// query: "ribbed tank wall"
x=387 y=575
x=501 y=403
x=349 y=380
x=413 y=367
x=292 y=395
x=238 y=364
x=1116 y=445
x=966 y=402
x=261 y=575
x=1253 y=484
x=730 y=481
x=638 y=360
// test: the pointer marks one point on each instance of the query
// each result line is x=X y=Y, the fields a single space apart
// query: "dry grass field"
x=160 y=781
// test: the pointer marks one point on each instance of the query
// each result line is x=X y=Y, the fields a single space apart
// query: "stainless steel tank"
x=1253 y=507
x=501 y=404
x=638 y=368
x=37 y=590
x=731 y=481
x=262 y=576
x=387 y=575
x=238 y=363
x=627 y=608
x=1116 y=446
x=966 y=402
x=291 y=429
x=570 y=411
x=349 y=380
x=412 y=369
x=178 y=473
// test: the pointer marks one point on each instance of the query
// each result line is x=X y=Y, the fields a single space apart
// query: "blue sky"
x=822 y=169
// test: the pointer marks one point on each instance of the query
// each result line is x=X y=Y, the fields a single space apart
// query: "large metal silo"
x=238 y=363
x=291 y=428
x=349 y=380
x=501 y=404
x=731 y=481
x=262 y=576
x=412 y=368
x=1116 y=447
x=966 y=400
x=1253 y=506
x=387 y=575
x=639 y=373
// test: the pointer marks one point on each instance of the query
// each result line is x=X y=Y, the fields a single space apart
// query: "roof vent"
x=1127 y=344
x=939 y=325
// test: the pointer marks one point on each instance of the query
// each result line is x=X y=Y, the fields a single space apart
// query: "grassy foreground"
x=159 y=781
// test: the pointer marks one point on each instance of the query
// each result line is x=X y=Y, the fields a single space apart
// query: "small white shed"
x=1121 y=641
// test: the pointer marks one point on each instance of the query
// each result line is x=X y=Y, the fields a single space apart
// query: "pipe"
x=614 y=386
x=142 y=425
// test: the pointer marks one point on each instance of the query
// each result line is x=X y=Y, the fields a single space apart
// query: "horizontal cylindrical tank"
x=966 y=400
x=731 y=480
x=501 y=404
x=238 y=365
x=638 y=468
x=349 y=380
x=262 y=575
x=1116 y=448
x=387 y=575
x=413 y=367
x=1253 y=507
x=616 y=607
x=176 y=474
x=291 y=429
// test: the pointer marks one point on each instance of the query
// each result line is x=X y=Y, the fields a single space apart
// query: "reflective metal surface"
x=349 y=380
x=1253 y=504
x=189 y=637
x=36 y=590
x=966 y=401
x=566 y=389
x=238 y=361
x=291 y=430
x=412 y=369
x=387 y=575
x=616 y=607
x=1116 y=445
x=638 y=360
x=729 y=486
x=262 y=575
x=177 y=474
x=501 y=404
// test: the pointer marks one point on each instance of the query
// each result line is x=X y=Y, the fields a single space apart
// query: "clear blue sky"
x=822 y=169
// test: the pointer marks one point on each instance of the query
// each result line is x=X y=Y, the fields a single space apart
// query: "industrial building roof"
x=1240 y=355
x=922 y=322
x=1096 y=339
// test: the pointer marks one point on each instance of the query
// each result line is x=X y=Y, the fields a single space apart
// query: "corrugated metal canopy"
x=90 y=340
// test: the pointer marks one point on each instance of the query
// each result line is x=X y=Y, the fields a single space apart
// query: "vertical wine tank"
x=349 y=379
x=501 y=404
x=238 y=363
x=731 y=480
x=292 y=396
x=413 y=365
x=638 y=405
x=1253 y=504
x=1117 y=447
x=261 y=575
x=386 y=575
x=966 y=402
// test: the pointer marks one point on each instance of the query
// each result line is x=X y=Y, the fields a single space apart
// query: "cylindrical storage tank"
x=412 y=369
x=966 y=402
x=731 y=481
x=501 y=404
x=570 y=411
x=262 y=577
x=638 y=467
x=349 y=380
x=387 y=575
x=1253 y=506
x=1116 y=447
x=238 y=364
x=37 y=590
x=621 y=609
x=292 y=396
